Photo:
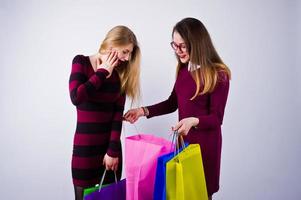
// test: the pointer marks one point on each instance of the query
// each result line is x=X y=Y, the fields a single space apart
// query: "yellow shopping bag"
x=185 y=178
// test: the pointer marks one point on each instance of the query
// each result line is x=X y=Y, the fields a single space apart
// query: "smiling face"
x=180 y=48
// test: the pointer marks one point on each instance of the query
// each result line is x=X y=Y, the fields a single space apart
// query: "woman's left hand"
x=185 y=125
x=110 y=162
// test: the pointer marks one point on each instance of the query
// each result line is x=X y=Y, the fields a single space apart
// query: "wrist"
x=145 y=111
x=105 y=66
x=195 y=122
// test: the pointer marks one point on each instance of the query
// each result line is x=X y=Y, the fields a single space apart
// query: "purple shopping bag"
x=115 y=191
x=141 y=154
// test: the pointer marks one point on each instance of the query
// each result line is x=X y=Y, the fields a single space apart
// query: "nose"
x=178 y=51
x=125 y=57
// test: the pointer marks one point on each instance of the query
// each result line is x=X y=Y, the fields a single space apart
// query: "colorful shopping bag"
x=88 y=191
x=114 y=191
x=160 y=179
x=185 y=178
x=141 y=154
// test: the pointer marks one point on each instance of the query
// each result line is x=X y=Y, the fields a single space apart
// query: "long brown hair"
x=129 y=75
x=201 y=52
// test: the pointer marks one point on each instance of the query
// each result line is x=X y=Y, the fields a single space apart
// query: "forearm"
x=79 y=90
x=160 y=109
x=210 y=121
x=114 y=149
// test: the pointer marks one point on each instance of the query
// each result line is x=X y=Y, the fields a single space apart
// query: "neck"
x=93 y=61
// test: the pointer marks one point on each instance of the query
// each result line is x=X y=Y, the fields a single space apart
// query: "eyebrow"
x=179 y=43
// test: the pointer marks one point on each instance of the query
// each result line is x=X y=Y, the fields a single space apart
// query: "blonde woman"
x=200 y=95
x=98 y=88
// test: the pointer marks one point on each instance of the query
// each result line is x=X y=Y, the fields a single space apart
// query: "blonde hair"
x=207 y=76
x=130 y=74
x=201 y=52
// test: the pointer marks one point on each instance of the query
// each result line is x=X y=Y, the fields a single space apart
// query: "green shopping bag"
x=90 y=190
x=185 y=178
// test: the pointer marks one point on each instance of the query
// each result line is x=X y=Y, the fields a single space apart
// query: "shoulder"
x=222 y=76
x=223 y=73
x=79 y=64
x=79 y=59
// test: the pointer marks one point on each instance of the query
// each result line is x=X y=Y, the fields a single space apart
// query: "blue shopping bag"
x=160 y=178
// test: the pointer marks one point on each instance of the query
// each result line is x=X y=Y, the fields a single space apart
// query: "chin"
x=184 y=61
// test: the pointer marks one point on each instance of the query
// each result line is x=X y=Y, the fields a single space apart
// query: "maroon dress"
x=209 y=109
x=99 y=106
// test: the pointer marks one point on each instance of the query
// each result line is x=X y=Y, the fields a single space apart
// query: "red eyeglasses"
x=182 y=47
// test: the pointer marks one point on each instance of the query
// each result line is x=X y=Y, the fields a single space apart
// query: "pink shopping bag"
x=141 y=153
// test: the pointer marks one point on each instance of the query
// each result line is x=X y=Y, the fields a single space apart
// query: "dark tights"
x=79 y=193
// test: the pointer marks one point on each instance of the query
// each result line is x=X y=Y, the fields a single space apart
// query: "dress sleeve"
x=80 y=86
x=114 y=149
x=218 y=100
x=165 y=107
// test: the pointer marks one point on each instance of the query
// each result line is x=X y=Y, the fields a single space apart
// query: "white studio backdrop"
x=259 y=40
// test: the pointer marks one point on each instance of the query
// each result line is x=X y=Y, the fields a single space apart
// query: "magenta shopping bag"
x=141 y=154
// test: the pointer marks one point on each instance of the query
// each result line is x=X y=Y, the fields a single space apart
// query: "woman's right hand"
x=133 y=114
x=108 y=61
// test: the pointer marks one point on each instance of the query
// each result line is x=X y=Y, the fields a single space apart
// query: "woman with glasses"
x=199 y=93
x=98 y=88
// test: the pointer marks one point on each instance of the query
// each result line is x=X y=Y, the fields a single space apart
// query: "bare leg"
x=79 y=193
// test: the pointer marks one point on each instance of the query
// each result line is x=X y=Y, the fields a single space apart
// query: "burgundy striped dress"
x=99 y=106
